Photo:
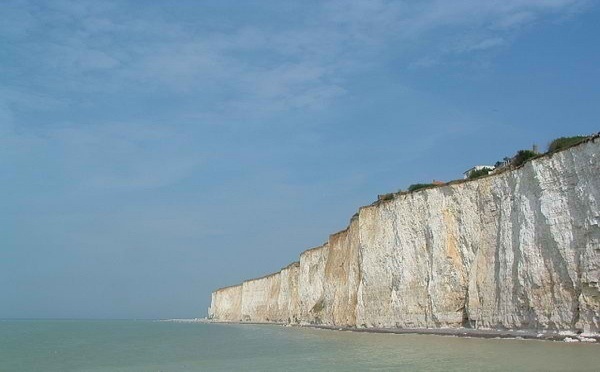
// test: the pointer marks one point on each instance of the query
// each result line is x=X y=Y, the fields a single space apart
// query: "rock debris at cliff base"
x=517 y=250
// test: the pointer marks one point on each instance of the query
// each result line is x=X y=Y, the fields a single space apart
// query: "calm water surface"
x=45 y=345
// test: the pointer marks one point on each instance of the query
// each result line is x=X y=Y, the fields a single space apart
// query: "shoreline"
x=563 y=336
x=473 y=333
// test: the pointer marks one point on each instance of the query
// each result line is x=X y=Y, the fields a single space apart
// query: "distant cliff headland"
x=517 y=249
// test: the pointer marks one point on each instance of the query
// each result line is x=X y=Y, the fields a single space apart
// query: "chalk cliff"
x=517 y=250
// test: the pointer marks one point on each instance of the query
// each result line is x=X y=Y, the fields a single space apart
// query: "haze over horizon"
x=151 y=154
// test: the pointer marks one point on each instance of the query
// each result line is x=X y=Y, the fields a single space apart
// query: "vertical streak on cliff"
x=586 y=200
x=288 y=300
x=341 y=277
x=311 y=283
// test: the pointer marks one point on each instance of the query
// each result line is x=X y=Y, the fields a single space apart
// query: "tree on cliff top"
x=522 y=156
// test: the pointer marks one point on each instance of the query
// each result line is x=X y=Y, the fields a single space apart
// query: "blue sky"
x=152 y=152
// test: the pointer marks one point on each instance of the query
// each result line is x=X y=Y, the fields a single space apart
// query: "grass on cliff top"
x=419 y=186
x=565 y=142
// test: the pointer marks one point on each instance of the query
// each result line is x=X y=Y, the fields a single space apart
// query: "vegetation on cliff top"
x=479 y=173
x=520 y=158
x=418 y=186
x=564 y=142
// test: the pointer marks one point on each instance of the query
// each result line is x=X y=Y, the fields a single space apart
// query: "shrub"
x=385 y=197
x=564 y=142
x=522 y=156
x=418 y=186
x=480 y=172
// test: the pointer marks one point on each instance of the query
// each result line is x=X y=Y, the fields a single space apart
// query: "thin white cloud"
x=514 y=20
x=424 y=62
x=481 y=45
x=87 y=48
x=339 y=37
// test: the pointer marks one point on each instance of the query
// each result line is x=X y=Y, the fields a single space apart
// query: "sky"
x=151 y=152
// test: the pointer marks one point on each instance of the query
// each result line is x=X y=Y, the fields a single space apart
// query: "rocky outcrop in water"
x=515 y=250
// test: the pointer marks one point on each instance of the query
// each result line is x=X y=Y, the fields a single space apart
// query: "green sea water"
x=73 y=345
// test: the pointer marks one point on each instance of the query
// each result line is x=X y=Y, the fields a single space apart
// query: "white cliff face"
x=520 y=249
x=288 y=300
x=259 y=299
x=341 y=277
x=311 y=281
x=226 y=304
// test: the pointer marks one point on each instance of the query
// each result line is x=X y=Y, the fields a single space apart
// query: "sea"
x=146 y=345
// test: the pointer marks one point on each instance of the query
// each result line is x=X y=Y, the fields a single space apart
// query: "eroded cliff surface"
x=518 y=250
